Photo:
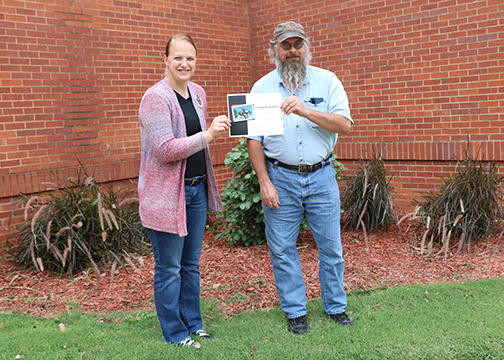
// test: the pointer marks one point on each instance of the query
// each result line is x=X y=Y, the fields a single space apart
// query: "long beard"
x=293 y=73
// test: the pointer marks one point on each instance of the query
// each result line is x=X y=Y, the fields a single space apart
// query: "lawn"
x=426 y=321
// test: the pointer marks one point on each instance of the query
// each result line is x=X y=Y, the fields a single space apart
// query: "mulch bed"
x=241 y=278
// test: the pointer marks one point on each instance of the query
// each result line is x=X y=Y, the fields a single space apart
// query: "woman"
x=176 y=187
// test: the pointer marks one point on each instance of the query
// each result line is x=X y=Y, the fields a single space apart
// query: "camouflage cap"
x=288 y=30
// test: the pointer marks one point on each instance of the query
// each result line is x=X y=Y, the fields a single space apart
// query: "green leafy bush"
x=465 y=207
x=367 y=199
x=78 y=226
x=243 y=214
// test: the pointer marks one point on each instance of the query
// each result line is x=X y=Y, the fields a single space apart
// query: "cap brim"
x=290 y=34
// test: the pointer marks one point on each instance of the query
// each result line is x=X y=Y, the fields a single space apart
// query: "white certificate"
x=255 y=114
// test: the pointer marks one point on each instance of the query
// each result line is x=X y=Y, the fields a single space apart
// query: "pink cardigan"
x=165 y=148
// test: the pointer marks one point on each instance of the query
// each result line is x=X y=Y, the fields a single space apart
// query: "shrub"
x=367 y=199
x=80 y=225
x=465 y=207
x=243 y=214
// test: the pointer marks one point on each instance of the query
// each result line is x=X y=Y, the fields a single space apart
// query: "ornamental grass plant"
x=79 y=226
x=367 y=199
x=466 y=207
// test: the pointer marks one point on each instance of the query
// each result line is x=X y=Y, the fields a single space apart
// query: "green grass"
x=445 y=321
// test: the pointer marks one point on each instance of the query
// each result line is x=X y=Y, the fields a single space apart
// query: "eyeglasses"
x=287 y=46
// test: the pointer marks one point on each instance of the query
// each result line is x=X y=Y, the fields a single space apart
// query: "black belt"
x=194 y=181
x=303 y=168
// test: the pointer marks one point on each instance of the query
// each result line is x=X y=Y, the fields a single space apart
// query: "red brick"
x=421 y=79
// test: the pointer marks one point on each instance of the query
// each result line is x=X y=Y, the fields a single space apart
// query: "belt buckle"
x=192 y=182
x=309 y=168
x=303 y=168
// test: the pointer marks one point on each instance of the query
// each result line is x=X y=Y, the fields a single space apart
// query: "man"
x=296 y=175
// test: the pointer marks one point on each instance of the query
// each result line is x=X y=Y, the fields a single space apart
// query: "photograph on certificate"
x=243 y=112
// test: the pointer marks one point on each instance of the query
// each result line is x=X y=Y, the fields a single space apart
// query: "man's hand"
x=269 y=194
x=293 y=105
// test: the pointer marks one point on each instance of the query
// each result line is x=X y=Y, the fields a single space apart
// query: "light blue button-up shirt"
x=304 y=142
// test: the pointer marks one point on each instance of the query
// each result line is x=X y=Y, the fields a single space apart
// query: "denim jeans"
x=177 y=276
x=315 y=196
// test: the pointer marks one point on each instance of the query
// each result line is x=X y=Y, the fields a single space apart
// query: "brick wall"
x=72 y=74
x=423 y=78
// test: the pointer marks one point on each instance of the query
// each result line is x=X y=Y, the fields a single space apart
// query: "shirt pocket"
x=320 y=107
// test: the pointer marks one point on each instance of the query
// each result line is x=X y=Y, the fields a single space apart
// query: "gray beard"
x=293 y=73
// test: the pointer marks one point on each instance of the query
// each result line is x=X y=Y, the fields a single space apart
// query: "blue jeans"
x=177 y=276
x=315 y=196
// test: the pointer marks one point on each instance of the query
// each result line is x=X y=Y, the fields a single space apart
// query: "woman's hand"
x=219 y=124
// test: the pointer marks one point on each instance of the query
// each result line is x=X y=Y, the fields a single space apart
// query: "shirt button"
x=300 y=143
x=297 y=126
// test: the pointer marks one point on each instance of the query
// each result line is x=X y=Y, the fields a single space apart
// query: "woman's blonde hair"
x=184 y=37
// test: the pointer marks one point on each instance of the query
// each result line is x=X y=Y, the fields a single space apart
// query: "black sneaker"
x=202 y=334
x=298 y=325
x=342 y=319
x=189 y=342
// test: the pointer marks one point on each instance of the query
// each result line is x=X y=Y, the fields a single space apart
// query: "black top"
x=196 y=162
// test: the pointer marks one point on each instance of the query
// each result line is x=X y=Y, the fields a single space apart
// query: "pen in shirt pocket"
x=315 y=100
